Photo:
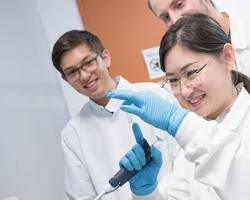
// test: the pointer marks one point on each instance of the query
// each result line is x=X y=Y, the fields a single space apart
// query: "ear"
x=106 y=57
x=228 y=56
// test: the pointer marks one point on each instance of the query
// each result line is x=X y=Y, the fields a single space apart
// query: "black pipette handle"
x=123 y=175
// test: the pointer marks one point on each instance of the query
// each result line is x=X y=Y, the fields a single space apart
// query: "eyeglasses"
x=73 y=74
x=188 y=77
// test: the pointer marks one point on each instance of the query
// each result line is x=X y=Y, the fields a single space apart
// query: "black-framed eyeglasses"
x=88 y=66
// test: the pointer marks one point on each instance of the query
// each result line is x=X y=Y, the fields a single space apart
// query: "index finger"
x=138 y=134
x=120 y=94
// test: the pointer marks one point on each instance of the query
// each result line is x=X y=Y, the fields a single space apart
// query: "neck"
x=103 y=101
x=225 y=22
x=227 y=105
x=223 y=19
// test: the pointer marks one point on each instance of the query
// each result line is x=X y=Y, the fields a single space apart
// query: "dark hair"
x=199 y=33
x=151 y=8
x=71 y=40
x=239 y=77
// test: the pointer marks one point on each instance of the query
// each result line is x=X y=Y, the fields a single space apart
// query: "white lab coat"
x=95 y=140
x=239 y=16
x=220 y=156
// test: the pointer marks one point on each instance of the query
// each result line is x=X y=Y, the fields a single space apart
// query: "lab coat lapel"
x=238 y=110
x=115 y=104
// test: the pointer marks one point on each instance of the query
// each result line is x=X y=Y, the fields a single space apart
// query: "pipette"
x=107 y=189
x=123 y=175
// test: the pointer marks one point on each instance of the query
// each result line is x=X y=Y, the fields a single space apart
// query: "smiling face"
x=92 y=83
x=169 y=11
x=212 y=90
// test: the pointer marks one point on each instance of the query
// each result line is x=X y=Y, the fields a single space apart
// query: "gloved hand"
x=145 y=181
x=151 y=108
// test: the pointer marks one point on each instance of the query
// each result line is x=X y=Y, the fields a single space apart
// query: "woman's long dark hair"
x=199 y=33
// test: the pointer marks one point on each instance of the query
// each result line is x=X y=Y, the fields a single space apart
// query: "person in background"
x=94 y=139
x=214 y=162
x=235 y=21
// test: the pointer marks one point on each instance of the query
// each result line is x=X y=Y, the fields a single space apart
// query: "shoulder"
x=73 y=125
x=75 y=120
x=138 y=86
x=146 y=86
x=155 y=88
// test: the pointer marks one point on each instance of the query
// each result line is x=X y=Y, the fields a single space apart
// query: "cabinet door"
x=125 y=27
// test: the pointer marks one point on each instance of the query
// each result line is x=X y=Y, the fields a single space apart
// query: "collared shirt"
x=95 y=140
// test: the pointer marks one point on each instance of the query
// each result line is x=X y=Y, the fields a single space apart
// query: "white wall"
x=34 y=106
x=227 y=5
x=58 y=16
x=222 y=4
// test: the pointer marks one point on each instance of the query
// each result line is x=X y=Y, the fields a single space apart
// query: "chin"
x=98 y=95
x=94 y=94
x=201 y=113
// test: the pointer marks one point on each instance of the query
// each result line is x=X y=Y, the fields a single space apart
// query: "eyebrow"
x=80 y=63
x=183 y=68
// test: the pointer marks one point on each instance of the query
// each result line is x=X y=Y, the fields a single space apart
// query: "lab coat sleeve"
x=179 y=191
x=153 y=196
x=78 y=184
x=174 y=186
x=213 y=149
x=177 y=185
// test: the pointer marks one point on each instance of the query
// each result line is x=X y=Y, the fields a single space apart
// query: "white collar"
x=238 y=110
x=113 y=104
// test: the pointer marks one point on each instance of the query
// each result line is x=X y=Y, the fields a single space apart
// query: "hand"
x=151 y=108
x=145 y=181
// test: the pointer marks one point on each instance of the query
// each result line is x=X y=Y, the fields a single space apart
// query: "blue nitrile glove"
x=151 y=108
x=145 y=181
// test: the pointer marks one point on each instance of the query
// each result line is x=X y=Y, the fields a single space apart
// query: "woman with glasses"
x=214 y=162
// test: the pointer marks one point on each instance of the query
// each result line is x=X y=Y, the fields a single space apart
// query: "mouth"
x=196 y=101
x=91 y=85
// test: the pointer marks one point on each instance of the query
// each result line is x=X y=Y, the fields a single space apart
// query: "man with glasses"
x=94 y=140
x=235 y=21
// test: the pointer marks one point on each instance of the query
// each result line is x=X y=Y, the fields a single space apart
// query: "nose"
x=84 y=75
x=173 y=18
x=186 y=89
